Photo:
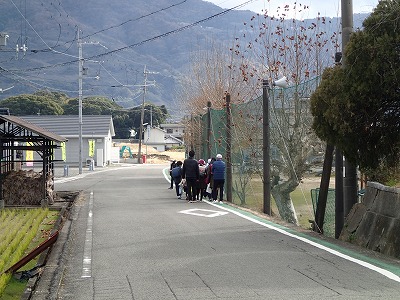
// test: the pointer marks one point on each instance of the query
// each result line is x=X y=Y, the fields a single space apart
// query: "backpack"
x=176 y=172
x=202 y=171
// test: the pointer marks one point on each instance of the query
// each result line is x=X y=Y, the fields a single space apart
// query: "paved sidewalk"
x=59 y=171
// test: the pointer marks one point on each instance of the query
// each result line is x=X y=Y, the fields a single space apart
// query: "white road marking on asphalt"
x=68 y=179
x=165 y=172
x=367 y=265
x=204 y=212
x=87 y=250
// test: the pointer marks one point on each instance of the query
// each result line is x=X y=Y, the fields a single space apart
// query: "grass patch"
x=301 y=198
x=21 y=230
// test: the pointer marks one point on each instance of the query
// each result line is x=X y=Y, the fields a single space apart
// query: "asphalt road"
x=131 y=238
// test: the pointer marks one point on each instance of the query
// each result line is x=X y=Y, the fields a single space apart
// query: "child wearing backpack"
x=201 y=187
x=176 y=174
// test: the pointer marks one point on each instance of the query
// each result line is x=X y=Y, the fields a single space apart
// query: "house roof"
x=172 y=125
x=156 y=128
x=172 y=140
x=33 y=128
x=68 y=125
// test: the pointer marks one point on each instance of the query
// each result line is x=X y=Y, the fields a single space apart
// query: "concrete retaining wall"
x=375 y=222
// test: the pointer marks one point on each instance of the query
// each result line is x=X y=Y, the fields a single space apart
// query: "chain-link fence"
x=329 y=219
x=295 y=151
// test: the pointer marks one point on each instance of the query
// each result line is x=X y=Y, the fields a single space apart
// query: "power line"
x=147 y=40
x=136 y=19
x=173 y=31
x=116 y=26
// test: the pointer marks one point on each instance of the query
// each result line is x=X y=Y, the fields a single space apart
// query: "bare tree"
x=266 y=48
x=212 y=72
x=299 y=50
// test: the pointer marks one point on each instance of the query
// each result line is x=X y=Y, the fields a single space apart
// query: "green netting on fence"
x=291 y=144
x=329 y=220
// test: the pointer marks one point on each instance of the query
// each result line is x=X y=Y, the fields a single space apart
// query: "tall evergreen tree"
x=357 y=108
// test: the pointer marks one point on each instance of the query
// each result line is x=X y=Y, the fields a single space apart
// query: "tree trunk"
x=281 y=193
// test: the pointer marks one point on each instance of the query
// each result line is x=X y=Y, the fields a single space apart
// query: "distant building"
x=99 y=128
x=176 y=130
x=159 y=139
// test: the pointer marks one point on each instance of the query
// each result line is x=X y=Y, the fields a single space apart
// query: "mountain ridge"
x=119 y=39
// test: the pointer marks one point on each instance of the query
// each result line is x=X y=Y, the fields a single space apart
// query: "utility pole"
x=350 y=171
x=80 y=66
x=145 y=85
x=266 y=141
x=80 y=77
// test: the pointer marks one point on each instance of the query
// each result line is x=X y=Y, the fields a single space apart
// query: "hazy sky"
x=327 y=8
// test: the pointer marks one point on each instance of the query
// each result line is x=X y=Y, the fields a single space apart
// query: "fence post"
x=208 y=129
x=228 y=149
x=266 y=151
x=323 y=190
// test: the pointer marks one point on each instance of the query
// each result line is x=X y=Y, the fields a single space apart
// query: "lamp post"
x=267 y=144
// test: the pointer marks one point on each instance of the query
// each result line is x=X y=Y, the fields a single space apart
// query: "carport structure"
x=19 y=135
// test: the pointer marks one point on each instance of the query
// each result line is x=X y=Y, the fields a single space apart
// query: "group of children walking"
x=198 y=180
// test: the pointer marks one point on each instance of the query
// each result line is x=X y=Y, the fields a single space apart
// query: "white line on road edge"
x=79 y=176
x=165 y=172
x=384 y=272
x=87 y=250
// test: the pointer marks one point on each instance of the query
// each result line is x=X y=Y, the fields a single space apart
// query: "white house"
x=176 y=130
x=99 y=128
x=159 y=139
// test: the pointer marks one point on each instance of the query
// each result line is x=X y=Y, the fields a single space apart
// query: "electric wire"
x=34 y=30
x=146 y=40
x=118 y=25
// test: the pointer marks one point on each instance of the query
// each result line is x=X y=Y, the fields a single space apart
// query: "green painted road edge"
x=373 y=261
x=376 y=262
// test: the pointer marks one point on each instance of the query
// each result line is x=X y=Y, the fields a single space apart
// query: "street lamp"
x=266 y=142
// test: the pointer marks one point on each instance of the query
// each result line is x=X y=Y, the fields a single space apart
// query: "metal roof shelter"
x=15 y=133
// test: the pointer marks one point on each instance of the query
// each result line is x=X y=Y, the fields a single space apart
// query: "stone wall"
x=375 y=222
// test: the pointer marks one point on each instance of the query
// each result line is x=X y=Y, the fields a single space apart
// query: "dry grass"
x=154 y=156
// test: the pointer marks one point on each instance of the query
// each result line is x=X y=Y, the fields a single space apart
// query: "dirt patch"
x=153 y=156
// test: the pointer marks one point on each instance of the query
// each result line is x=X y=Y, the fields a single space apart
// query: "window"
x=169 y=130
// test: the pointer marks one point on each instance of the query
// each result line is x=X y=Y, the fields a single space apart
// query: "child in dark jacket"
x=176 y=174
